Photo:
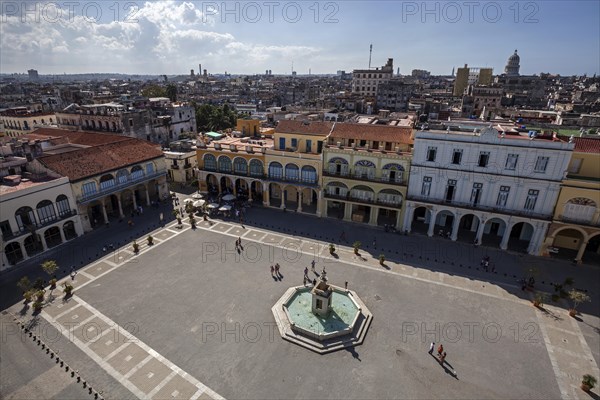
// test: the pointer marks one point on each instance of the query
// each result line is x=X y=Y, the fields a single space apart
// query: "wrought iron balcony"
x=86 y=198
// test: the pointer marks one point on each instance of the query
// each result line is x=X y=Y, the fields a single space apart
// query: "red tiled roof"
x=60 y=136
x=586 y=145
x=384 y=133
x=95 y=160
x=304 y=128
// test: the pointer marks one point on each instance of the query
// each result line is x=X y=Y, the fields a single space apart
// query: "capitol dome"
x=512 y=66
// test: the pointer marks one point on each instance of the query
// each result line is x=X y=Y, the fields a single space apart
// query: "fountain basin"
x=343 y=326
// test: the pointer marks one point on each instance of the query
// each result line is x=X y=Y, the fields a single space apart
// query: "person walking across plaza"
x=272 y=270
x=312 y=265
x=440 y=350
x=431 y=347
x=442 y=358
x=305 y=271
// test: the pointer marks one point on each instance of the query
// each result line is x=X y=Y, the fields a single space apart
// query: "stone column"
x=505 y=237
x=373 y=216
x=104 y=213
x=455 y=227
x=120 y=207
x=22 y=247
x=135 y=206
x=266 y=195
x=147 y=196
x=579 y=256
x=480 y=229
x=408 y=216
x=347 y=211
x=431 y=223
x=299 y=201
x=62 y=234
x=398 y=222
x=43 y=240
x=319 y=203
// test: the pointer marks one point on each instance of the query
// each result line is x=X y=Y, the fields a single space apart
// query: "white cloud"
x=167 y=37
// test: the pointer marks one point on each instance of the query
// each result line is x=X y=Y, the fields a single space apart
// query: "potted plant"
x=331 y=248
x=28 y=295
x=24 y=284
x=150 y=240
x=356 y=246
x=381 y=259
x=37 y=306
x=68 y=289
x=177 y=215
x=136 y=247
x=40 y=295
x=538 y=299
x=588 y=382
x=50 y=267
x=577 y=297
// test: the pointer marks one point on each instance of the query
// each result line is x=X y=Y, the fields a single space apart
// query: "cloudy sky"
x=172 y=37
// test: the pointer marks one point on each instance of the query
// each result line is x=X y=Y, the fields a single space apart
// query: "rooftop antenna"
x=370 y=52
x=292 y=67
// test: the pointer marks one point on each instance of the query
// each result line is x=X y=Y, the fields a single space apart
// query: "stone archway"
x=567 y=242
x=467 y=228
x=290 y=197
x=52 y=236
x=443 y=222
x=310 y=201
x=212 y=183
x=256 y=190
x=520 y=237
x=591 y=253
x=14 y=253
x=275 y=195
x=226 y=185
x=420 y=220
x=493 y=231
x=33 y=244
x=69 y=230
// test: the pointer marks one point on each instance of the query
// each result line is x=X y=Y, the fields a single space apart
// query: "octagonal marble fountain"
x=323 y=318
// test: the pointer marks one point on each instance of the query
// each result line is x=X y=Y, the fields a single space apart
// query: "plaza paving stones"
x=90 y=330
x=150 y=375
x=74 y=316
x=221 y=227
x=60 y=306
x=272 y=239
x=237 y=231
x=162 y=235
x=255 y=235
x=97 y=269
x=127 y=358
x=110 y=341
x=176 y=388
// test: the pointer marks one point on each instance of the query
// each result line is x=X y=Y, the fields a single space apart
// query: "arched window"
x=362 y=193
x=137 y=172
x=579 y=209
x=256 y=168
x=107 y=181
x=224 y=164
x=392 y=173
x=13 y=252
x=364 y=169
x=338 y=166
x=149 y=168
x=122 y=176
x=62 y=204
x=210 y=162
x=275 y=170
x=309 y=174
x=240 y=166
x=45 y=211
x=389 y=196
x=292 y=172
x=336 y=189
x=25 y=218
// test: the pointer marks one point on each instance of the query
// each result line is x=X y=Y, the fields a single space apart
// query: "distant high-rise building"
x=366 y=81
x=512 y=65
x=420 y=73
x=471 y=76
x=33 y=74
x=191 y=72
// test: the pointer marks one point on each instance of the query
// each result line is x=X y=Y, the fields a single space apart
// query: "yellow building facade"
x=575 y=229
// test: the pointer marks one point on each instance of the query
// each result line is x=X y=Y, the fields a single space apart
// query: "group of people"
x=441 y=354
x=485 y=264
x=275 y=274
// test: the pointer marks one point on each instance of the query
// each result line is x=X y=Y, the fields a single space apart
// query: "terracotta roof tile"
x=385 y=133
x=304 y=128
x=586 y=145
x=98 y=159
x=60 y=136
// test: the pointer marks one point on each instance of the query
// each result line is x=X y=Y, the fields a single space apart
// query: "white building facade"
x=485 y=187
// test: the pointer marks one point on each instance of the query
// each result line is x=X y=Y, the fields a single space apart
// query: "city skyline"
x=172 y=37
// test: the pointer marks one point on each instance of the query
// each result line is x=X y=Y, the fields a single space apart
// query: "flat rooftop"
x=24 y=184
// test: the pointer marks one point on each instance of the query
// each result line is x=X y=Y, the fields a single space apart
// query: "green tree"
x=49 y=267
x=171 y=92
x=154 y=91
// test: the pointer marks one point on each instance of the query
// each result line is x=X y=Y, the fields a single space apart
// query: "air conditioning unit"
x=232 y=147
x=217 y=146
x=249 y=149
